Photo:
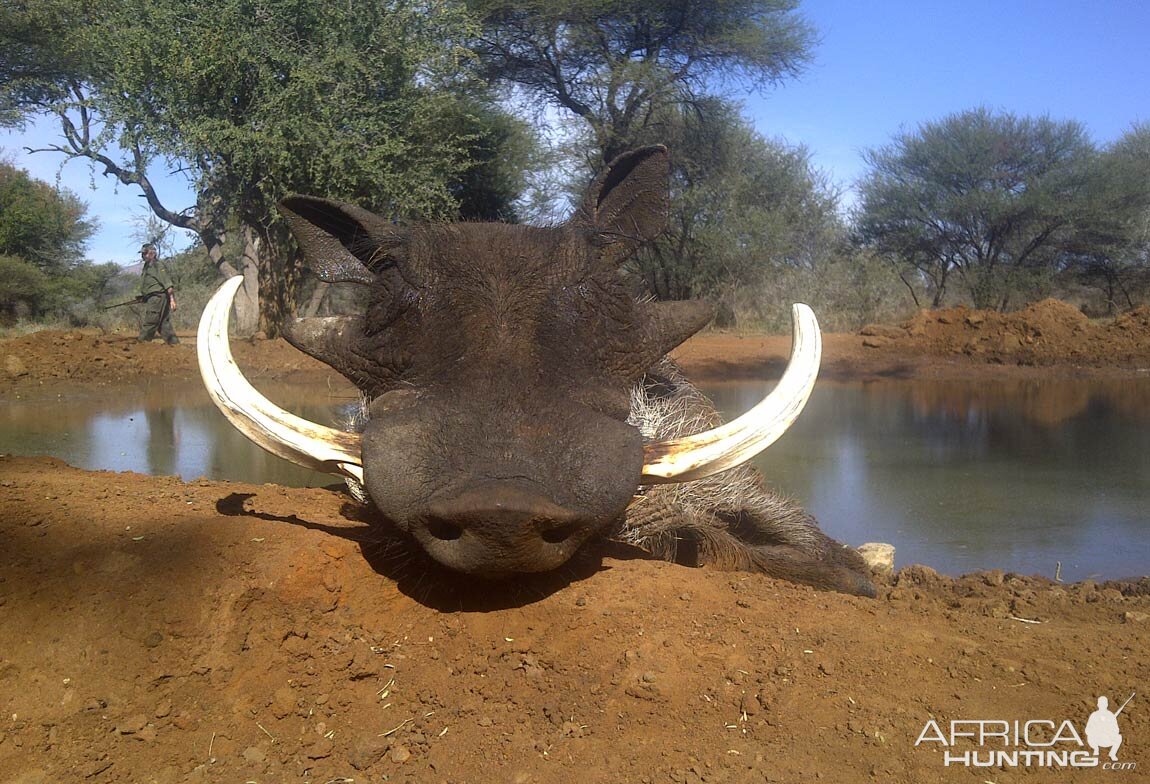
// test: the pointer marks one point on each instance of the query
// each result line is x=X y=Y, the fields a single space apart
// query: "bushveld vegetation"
x=43 y=231
x=487 y=109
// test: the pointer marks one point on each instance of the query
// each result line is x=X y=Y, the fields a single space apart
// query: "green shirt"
x=154 y=279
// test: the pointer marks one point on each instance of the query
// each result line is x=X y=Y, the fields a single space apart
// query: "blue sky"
x=881 y=67
x=885 y=67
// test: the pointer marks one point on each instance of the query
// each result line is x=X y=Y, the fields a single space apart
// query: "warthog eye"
x=444 y=529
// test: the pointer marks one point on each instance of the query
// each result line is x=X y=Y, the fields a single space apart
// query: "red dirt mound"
x=1049 y=337
x=1045 y=333
x=92 y=357
x=162 y=632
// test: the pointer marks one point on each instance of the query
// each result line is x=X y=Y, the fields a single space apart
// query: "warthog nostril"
x=560 y=534
x=499 y=522
x=442 y=529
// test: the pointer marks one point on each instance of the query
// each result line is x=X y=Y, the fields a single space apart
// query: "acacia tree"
x=251 y=101
x=44 y=232
x=654 y=71
x=742 y=205
x=992 y=198
x=618 y=65
x=1111 y=249
x=46 y=226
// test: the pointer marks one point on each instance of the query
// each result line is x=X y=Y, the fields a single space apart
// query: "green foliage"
x=615 y=64
x=290 y=94
x=500 y=149
x=992 y=197
x=264 y=99
x=647 y=72
x=37 y=55
x=45 y=226
x=43 y=233
x=742 y=207
x=27 y=292
x=1111 y=248
x=367 y=102
x=23 y=288
x=847 y=291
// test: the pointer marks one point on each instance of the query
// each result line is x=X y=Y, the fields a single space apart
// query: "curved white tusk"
x=279 y=432
x=696 y=456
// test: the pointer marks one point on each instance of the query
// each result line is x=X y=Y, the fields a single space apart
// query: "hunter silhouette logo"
x=1102 y=728
x=1043 y=743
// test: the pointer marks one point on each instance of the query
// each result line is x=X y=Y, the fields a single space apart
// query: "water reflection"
x=164 y=429
x=1006 y=475
x=961 y=476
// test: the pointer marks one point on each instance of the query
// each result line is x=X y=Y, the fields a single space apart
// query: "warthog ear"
x=626 y=205
x=342 y=242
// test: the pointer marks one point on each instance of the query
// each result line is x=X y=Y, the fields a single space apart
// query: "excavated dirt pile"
x=1045 y=333
x=933 y=344
x=155 y=631
x=91 y=357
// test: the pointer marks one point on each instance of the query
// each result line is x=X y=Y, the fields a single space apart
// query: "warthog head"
x=498 y=362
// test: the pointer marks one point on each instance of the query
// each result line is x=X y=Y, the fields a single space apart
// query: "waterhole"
x=1019 y=476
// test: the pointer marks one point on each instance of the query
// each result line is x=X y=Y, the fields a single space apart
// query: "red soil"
x=156 y=631
x=159 y=631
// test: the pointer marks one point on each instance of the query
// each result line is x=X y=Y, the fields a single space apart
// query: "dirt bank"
x=1049 y=332
x=88 y=357
x=156 y=631
x=1048 y=339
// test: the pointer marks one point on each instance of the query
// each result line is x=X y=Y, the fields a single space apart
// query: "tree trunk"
x=248 y=297
x=246 y=307
x=1125 y=292
x=248 y=303
x=909 y=287
x=939 y=293
x=278 y=273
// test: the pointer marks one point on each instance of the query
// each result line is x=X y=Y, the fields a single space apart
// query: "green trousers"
x=158 y=318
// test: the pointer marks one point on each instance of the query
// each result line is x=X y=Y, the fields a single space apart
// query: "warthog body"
x=513 y=383
x=729 y=520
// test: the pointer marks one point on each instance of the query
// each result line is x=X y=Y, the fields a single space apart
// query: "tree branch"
x=79 y=141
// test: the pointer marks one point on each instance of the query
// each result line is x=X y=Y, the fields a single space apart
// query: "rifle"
x=1124 y=704
x=133 y=301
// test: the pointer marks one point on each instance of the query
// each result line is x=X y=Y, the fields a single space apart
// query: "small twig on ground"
x=1024 y=620
x=395 y=729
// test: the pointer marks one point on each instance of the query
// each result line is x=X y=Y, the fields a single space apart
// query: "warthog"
x=519 y=398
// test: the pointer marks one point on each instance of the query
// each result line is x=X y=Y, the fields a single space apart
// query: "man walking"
x=159 y=298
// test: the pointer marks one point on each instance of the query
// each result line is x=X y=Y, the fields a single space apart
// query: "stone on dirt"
x=878 y=556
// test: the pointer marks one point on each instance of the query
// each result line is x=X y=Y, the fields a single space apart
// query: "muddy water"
x=1014 y=475
x=164 y=429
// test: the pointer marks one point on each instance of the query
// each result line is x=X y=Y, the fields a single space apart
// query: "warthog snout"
x=501 y=528
x=495 y=491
